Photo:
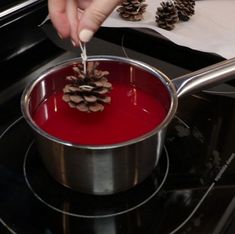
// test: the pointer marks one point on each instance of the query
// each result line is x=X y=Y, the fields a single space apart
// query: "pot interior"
x=141 y=100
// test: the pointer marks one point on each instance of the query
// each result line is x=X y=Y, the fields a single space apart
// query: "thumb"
x=93 y=16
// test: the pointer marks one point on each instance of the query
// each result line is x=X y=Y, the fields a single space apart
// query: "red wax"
x=131 y=113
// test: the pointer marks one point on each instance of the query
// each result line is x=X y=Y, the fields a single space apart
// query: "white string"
x=123 y=47
x=83 y=56
x=140 y=5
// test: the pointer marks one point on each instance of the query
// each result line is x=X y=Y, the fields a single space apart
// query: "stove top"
x=191 y=190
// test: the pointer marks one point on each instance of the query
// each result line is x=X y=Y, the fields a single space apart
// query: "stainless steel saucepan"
x=108 y=169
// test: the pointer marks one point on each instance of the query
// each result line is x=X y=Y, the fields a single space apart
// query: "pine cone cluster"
x=167 y=15
x=171 y=12
x=132 y=10
x=87 y=92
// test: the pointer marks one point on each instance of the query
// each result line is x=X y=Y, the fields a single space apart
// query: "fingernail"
x=85 y=35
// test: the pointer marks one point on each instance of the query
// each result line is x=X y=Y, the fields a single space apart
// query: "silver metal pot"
x=108 y=169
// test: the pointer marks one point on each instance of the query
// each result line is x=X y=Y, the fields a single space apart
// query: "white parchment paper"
x=211 y=29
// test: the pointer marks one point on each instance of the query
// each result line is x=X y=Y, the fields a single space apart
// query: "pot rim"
x=154 y=71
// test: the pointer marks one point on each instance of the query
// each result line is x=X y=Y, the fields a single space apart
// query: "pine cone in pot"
x=132 y=10
x=185 y=9
x=167 y=15
x=87 y=92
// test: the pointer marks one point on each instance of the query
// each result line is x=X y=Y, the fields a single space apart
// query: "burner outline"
x=95 y=216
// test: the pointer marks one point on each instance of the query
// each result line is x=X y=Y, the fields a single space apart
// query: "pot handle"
x=205 y=77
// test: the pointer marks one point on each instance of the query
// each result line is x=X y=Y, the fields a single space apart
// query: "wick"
x=83 y=56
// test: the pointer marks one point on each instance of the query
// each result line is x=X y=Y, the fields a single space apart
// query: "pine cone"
x=185 y=9
x=166 y=15
x=132 y=10
x=87 y=92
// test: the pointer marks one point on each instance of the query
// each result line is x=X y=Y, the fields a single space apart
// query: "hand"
x=79 y=19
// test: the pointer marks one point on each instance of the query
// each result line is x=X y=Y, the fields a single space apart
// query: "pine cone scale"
x=90 y=98
x=76 y=98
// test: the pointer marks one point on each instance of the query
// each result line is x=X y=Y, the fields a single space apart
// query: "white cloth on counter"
x=211 y=29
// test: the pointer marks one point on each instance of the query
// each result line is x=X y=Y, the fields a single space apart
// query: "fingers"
x=58 y=16
x=69 y=21
x=93 y=16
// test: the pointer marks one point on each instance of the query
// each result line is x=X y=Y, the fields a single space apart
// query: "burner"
x=54 y=195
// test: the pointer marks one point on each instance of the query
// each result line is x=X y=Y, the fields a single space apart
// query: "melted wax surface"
x=131 y=113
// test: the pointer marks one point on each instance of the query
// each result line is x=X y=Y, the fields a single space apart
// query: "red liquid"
x=132 y=113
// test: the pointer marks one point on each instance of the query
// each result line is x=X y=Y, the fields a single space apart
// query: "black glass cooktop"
x=191 y=191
